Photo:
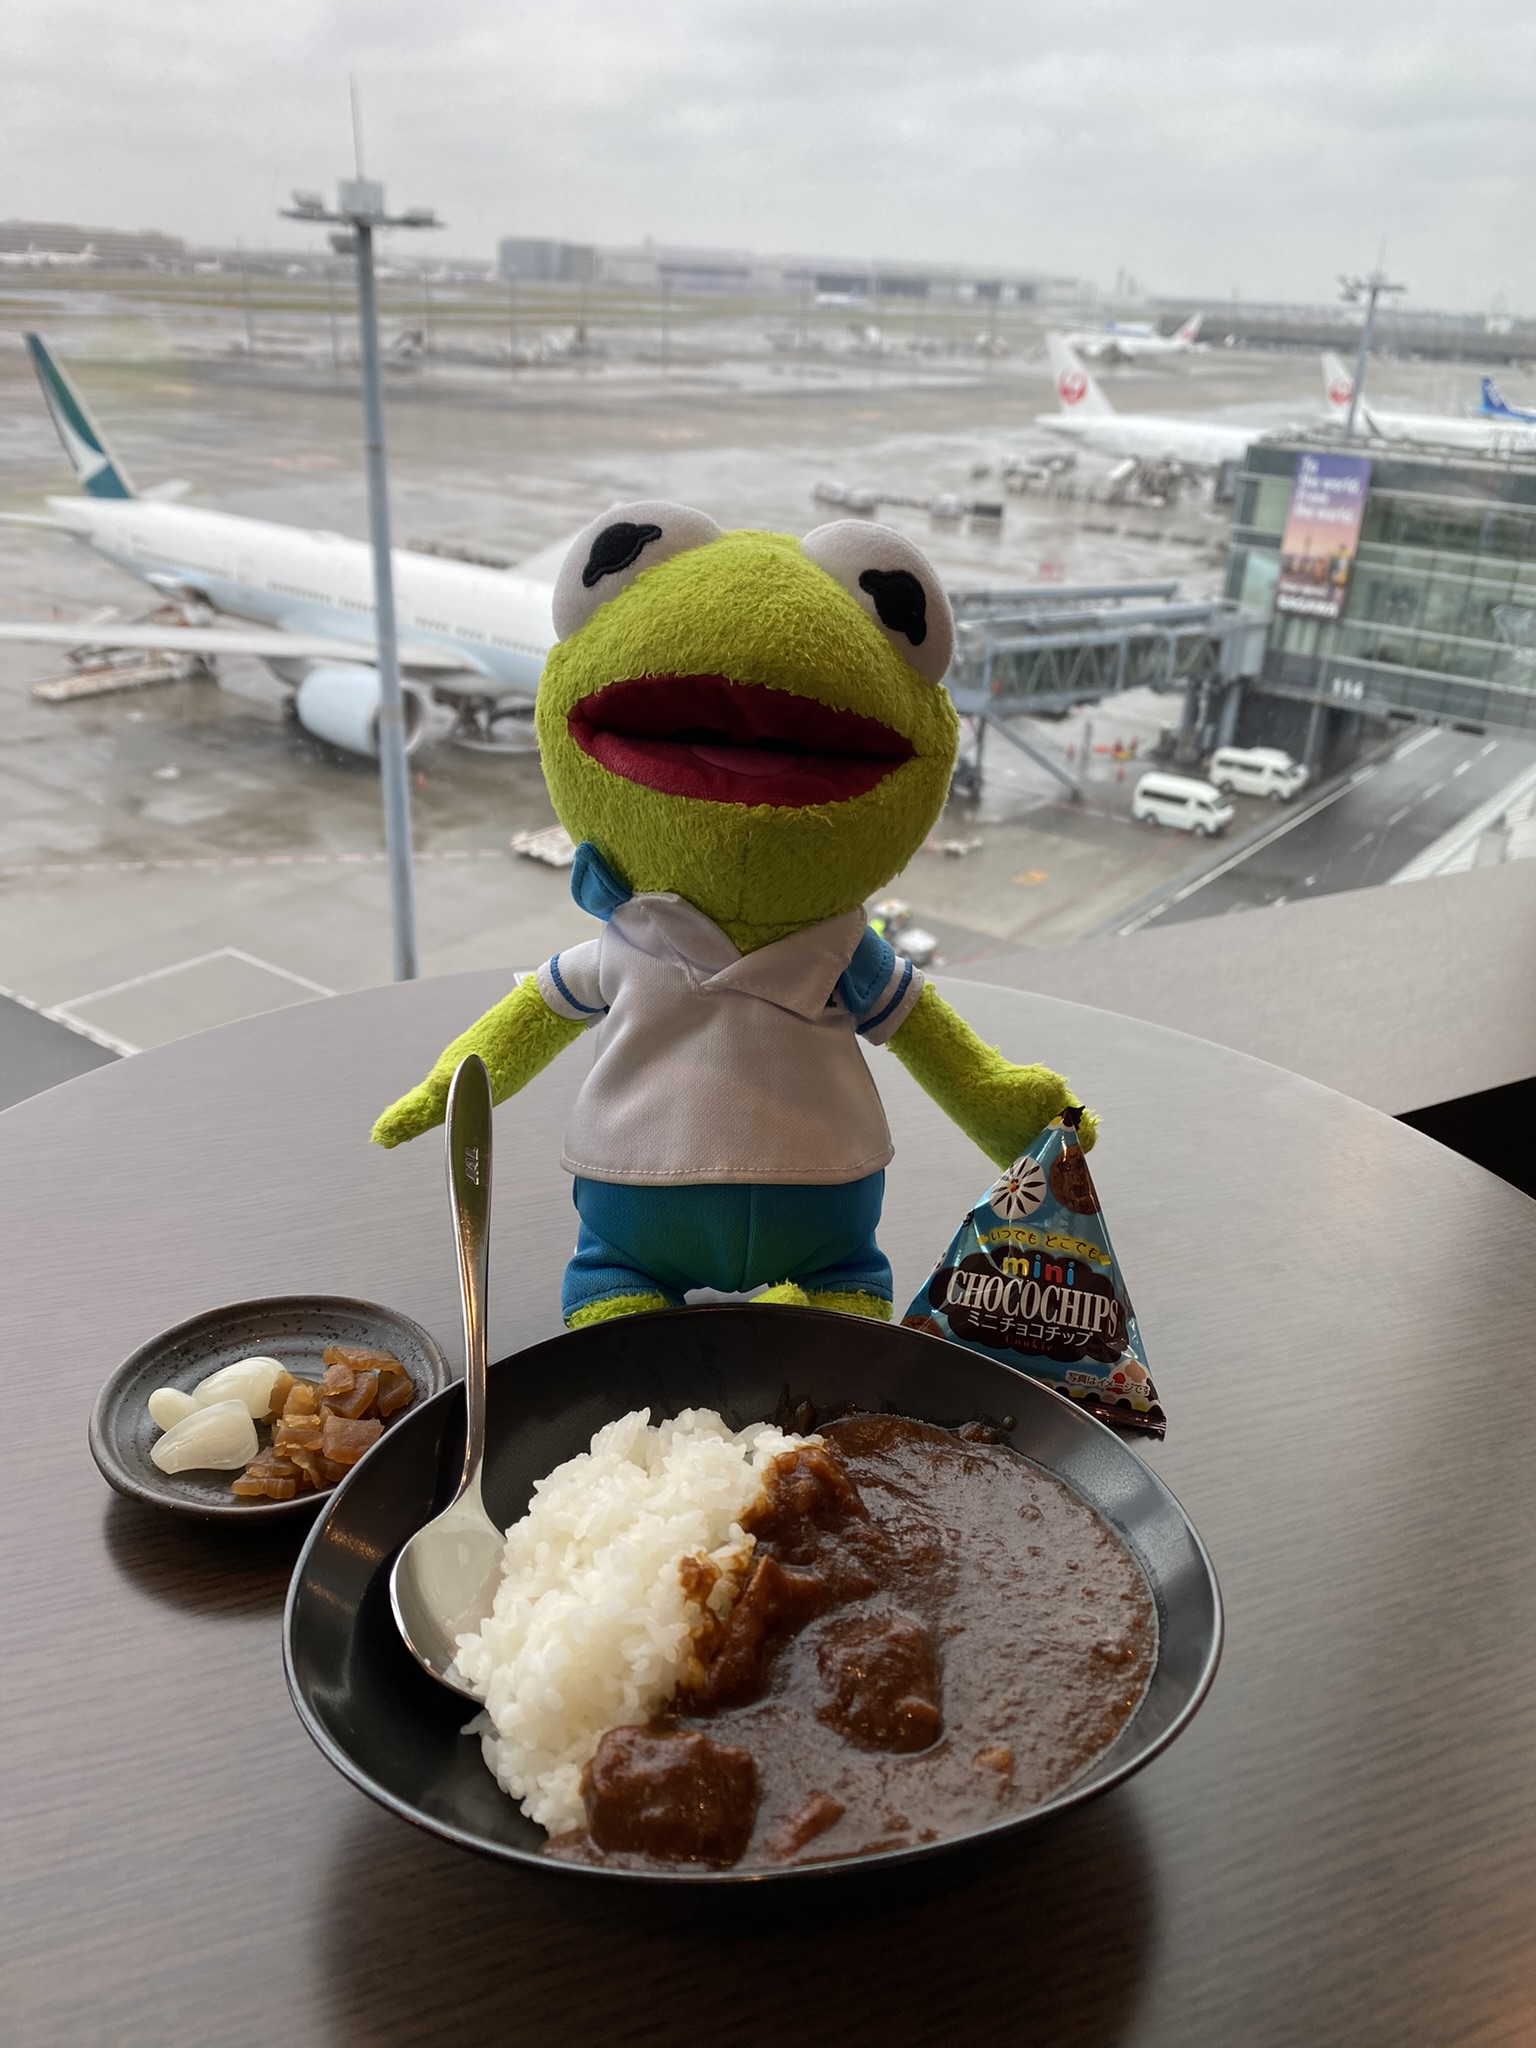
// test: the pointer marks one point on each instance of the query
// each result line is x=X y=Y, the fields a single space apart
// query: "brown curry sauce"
x=934 y=1634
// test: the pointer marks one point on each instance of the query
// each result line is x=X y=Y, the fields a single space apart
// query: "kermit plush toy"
x=748 y=735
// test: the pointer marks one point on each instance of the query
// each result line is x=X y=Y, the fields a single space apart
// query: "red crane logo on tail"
x=1340 y=391
x=1071 y=387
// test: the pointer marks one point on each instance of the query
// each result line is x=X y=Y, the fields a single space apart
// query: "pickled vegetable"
x=344 y=1440
x=219 y=1438
x=250 y=1380
x=318 y=1431
x=169 y=1405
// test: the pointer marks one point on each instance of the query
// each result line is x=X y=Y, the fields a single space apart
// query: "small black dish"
x=295 y=1328
x=399 y=1736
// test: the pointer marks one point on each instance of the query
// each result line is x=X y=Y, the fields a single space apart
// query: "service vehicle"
x=1257 y=771
x=1182 y=801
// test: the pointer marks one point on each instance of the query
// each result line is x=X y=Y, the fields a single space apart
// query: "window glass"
x=1271 y=502
x=1298 y=636
x=1445 y=602
x=1260 y=573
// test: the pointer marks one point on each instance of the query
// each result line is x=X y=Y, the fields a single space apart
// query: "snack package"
x=1031 y=1277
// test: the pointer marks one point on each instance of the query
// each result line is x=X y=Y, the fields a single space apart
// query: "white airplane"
x=1087 y=417
x=471 y=637
x=1114 y=344
x=33 y=258
x=1498 y=435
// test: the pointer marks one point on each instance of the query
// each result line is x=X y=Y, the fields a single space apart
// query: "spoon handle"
x=469 y=1191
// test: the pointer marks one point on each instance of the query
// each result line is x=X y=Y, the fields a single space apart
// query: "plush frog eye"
x=894 y=584
x=609 y=554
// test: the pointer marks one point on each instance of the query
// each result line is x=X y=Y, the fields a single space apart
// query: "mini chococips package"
x=1031 y=1277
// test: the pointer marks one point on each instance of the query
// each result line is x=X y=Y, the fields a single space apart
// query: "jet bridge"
x=1041 y=649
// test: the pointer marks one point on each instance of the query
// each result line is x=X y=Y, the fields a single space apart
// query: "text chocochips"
x=1032 y=1277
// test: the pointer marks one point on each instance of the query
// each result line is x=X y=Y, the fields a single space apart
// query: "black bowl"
x=293 y=1327
x=398 y=1735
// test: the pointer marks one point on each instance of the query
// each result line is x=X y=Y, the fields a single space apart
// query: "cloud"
x=1201 y=145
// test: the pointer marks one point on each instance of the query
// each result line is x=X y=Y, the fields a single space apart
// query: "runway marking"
x=237 y=860
x=1422 y=739
x=1461 y=768
x=1361 y=844
x=1488 y=749
x=1237 y=859
x=1398 y=816
x=116 y=988
x=1434 y=789
x=76 y=1024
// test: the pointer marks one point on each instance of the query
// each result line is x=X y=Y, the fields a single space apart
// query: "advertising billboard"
x=1322 y=531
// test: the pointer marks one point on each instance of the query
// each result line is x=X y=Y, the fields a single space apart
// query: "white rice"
x=590 y=1630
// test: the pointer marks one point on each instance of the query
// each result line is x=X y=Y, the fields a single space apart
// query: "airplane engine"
x=340 y=704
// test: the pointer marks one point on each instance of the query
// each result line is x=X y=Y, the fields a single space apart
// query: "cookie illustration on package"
x=1072 y=1184
x=1031 y=1277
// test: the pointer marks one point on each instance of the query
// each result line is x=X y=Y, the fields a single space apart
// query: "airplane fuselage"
x=319 y=583
x=1149 y=437
x=1128 y=348
x=1496 y=437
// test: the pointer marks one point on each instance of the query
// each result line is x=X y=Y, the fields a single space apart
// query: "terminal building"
x=1438 y=615
x=112 y=248
x=652 y=266
x=538 y=259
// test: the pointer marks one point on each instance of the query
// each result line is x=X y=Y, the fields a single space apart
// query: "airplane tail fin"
x=1494 y=400
x=1338 y=385
x=90 y=454
x=1076 y=391
x=1189 y=333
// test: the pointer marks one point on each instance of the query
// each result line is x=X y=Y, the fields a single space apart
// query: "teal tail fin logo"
x=100 y=473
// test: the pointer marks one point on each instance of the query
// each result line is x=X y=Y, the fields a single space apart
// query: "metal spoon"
x=444 y=1580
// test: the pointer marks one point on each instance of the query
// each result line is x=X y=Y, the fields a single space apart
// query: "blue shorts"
x=731 y=1238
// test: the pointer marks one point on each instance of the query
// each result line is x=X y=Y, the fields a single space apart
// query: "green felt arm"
x=517 y=1039
x=1000 y=1107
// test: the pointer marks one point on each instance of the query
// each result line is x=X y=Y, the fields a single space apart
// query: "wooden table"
x=1342 y=1849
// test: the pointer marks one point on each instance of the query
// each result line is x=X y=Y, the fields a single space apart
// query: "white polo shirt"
x=713 y=1065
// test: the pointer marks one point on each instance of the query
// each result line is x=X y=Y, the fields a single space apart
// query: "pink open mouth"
x=734 y=743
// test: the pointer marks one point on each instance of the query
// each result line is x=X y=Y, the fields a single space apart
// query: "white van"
x=1181 y=801
x=1257 y=771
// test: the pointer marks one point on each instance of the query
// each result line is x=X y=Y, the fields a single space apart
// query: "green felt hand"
x=1000 y=1107
x=517 y=1039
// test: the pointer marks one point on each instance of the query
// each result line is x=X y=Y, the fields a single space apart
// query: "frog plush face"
x=755 y=722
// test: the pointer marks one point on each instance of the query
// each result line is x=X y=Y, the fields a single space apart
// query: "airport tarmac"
x=1354 y=835
x=186 y=855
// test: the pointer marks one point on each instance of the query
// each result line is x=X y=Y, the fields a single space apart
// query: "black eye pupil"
x=900 y=601
x=616 y=548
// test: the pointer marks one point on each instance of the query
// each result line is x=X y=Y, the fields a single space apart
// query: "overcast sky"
x=1205 y=145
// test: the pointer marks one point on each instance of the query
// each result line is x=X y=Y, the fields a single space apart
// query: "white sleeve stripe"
x=896 y=1007
x=558 y=997
x=891 y=990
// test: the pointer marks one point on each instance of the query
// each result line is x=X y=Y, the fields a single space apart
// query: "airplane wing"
x=263 y=641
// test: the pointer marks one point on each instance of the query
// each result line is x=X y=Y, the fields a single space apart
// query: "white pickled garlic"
x=219 y=1439
x=169 y=1405
x=250 y=1380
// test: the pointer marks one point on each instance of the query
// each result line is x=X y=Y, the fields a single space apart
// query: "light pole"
x=1369 y=288
x=358 y=211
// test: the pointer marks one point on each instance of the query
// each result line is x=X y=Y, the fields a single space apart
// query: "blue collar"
x=594 y=884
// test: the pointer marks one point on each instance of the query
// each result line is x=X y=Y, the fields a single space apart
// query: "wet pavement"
x=1354 y=835
x=185 y=855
